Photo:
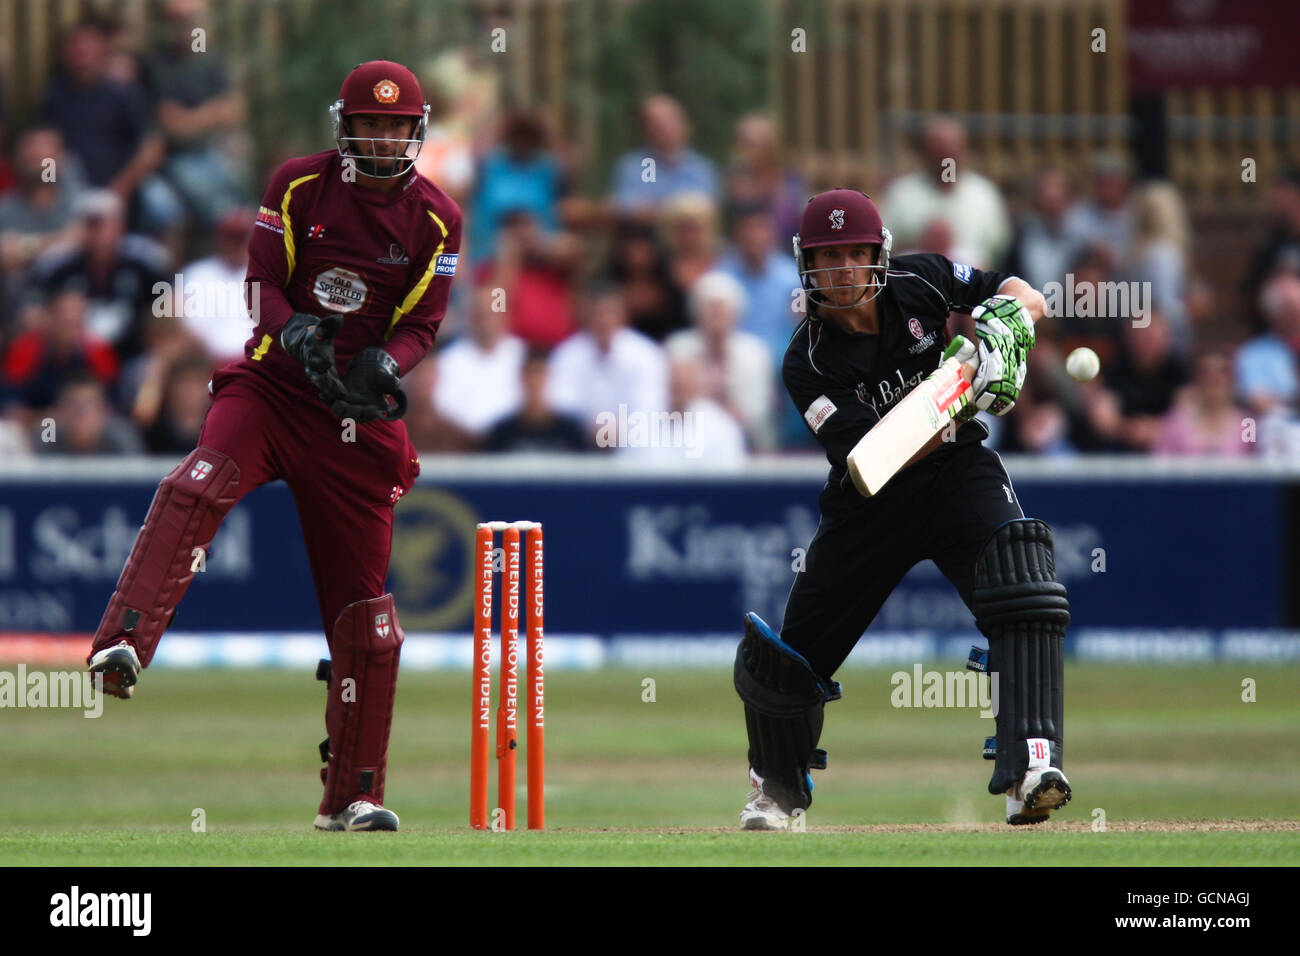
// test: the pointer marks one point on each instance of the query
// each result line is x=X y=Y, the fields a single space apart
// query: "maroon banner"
x=1182 y=43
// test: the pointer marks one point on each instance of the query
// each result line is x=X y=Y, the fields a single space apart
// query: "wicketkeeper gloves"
x=370 y=388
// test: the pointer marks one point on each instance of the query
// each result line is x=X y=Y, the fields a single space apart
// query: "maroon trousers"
x=345 y=490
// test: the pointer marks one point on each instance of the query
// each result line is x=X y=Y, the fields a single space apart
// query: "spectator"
x=478 y=374
x=735 y=369
x=535 y=271
x=40 y=212
x=1266 y=372
x=537 y=427
x=143 y=384
x=85 y=423
x=212 y=306
x=947 y=188
x=201 y=114
x=769 y=277
x=1281 y=250
x=118 y=273
x=1038 y=426
x=641 y=187
x=1105 y=221
x=430 y=431
x=457 y=107
x=105 y=123
x=690 y=225
x=709 y=432
x=1041 y=251
x=1144 y=378
x=607 y=365
x=38 y=362
x=639 y=266
x=175 y=431
x=758 y=179
x=522 y=173
x=1205 y=420
x=1160 y=251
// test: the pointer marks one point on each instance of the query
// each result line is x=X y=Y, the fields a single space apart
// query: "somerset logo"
x=914 y=326
x=76 y=909
x=837 y=219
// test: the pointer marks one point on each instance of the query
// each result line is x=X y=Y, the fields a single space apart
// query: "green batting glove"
x=1003 y=315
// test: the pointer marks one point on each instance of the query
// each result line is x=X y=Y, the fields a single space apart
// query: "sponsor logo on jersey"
x=386 y=91
x=446 y=264
x=269 y=219
x=201 y=470
x=890 y=394
x=962 y=272
x=396 y=256
x=381 y=625
x=837 y=219
x=821 y=409
x=340 y=290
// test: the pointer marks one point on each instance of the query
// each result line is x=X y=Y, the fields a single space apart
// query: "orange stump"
x=522 y=581
x=481 y=704
x=535 y=696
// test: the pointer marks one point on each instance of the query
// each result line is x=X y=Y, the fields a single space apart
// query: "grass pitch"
x=1175 y=765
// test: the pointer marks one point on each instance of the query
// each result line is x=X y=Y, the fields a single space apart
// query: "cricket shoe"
x=359 y=815
x=761 y=811
x=1039 y=793
x=120 y=666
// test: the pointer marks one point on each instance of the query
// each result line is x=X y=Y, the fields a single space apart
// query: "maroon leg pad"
x=365 y=649
x=187 y=509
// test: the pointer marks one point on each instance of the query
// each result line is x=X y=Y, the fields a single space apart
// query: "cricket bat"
x=923 y=413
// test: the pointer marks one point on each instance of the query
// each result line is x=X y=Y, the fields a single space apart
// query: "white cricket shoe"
x=761 y=811
x=359 y=815
x=120 y=666
x=1038 y=794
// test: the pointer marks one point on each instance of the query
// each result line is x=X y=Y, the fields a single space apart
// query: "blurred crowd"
x=674 y=291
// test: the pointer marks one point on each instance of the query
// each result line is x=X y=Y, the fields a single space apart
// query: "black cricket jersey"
x=844 y=382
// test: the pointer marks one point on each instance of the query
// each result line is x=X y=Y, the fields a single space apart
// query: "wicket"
x=508 y=701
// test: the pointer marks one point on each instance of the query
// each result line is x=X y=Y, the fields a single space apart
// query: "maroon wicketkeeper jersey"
x=323 y=244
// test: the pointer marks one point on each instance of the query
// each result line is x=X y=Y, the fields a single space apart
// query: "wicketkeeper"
x=350 y=266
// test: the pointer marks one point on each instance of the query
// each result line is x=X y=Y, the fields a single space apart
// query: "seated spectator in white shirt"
x=1266 y=365
x=478 y=374
x=698 y=430
x=947 y=188
x=212 y=307
x=607 y=365
x=735 y=368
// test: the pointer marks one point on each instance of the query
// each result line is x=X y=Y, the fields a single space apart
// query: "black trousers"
x=945 y=508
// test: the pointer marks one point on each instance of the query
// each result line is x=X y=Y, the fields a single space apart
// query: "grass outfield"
x=1162 y=752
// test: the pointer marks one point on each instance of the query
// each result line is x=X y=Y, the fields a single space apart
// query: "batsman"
x=350 y=267
x=876 y=328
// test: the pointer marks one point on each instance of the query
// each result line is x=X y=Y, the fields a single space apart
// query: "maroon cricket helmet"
x=834 y=218
x=384 y=87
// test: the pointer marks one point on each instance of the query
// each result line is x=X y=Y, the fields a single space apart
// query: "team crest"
x=914 y=326
x=386 y=91
x=201 y=470
x=837 y=219
x=381 y=626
